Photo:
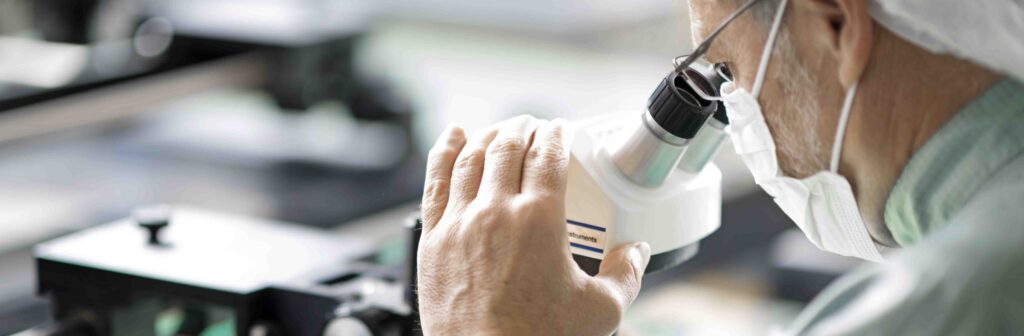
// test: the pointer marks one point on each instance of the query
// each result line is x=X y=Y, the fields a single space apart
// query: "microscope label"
x=587 y=237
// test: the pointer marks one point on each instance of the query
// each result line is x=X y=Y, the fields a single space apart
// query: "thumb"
x=623 y=268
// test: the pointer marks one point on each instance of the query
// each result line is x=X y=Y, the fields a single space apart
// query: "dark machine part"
x=210 y=270
x=677 y=108
x=310 y=64
x=677 y=111
x=415 y=226
x=153 y=219
x=324 y=71
x=306 y=65
x=712 y=136
x=121 y=44
x=717 y=76
x=313 y=73
x=64 y=21
x=70 y=327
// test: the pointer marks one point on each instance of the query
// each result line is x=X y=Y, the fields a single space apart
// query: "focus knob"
x=153 y=219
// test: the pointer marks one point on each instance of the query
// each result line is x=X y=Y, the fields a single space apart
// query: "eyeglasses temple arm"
x=703 y=47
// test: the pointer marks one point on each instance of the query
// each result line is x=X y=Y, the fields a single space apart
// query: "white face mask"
x=823 y=205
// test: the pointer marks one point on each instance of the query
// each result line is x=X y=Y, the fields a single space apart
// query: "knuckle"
x=546 y=155
x=470 y=159
x=548 y=183
x=435 y=188
x=442 y=153
x=438 y=167
x=507 y=146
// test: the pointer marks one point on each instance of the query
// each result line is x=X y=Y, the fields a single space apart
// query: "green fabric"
x=957 y=210
x=963 y=279
x=955 y=162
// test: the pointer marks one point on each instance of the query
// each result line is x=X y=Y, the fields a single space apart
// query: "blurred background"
x=319 y=112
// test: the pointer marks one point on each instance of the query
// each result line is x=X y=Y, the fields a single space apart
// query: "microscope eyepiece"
x=677 y=107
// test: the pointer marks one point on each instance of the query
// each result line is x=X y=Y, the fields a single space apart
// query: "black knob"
x=153 y=219
x=677 y=108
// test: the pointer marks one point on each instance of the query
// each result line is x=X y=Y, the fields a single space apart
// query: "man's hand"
x=494 y=254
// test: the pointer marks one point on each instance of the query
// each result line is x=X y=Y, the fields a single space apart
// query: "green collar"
x=946 y=172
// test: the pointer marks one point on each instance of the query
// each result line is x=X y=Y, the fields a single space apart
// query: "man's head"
x=809 y=69
x=823 y=47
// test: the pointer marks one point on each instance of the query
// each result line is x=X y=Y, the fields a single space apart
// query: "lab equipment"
x=187 y=271
x=626 y=184
x=706 y=143
x=710 y=138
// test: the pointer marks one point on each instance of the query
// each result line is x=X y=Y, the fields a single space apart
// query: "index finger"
x=437 y=185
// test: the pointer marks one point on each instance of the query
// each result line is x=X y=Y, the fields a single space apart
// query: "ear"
x=849 y=34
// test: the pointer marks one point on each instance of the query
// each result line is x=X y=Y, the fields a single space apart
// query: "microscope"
x=648 y=178
x=183 y=271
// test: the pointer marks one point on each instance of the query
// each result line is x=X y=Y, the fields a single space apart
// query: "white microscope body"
x=605 y=209
x=646 y=177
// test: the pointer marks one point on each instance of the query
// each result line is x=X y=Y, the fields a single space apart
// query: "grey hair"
x=795 y=132
x=796 y=129
x=763 y=11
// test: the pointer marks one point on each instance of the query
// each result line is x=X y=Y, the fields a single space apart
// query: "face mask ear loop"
x=762 y=67
x=844 y=116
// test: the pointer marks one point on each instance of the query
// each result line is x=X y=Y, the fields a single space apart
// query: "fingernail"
x=645 y=252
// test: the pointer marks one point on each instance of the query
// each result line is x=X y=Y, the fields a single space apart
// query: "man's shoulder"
x=989 y=229
x=968 y=271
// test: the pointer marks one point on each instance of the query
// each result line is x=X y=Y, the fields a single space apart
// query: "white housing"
x=605 y=210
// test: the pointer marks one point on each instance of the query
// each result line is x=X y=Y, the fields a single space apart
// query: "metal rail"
x=132 y=97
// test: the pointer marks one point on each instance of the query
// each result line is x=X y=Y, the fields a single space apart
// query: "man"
x=863 y=102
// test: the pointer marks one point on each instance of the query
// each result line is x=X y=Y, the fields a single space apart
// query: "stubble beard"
x=795 y=125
